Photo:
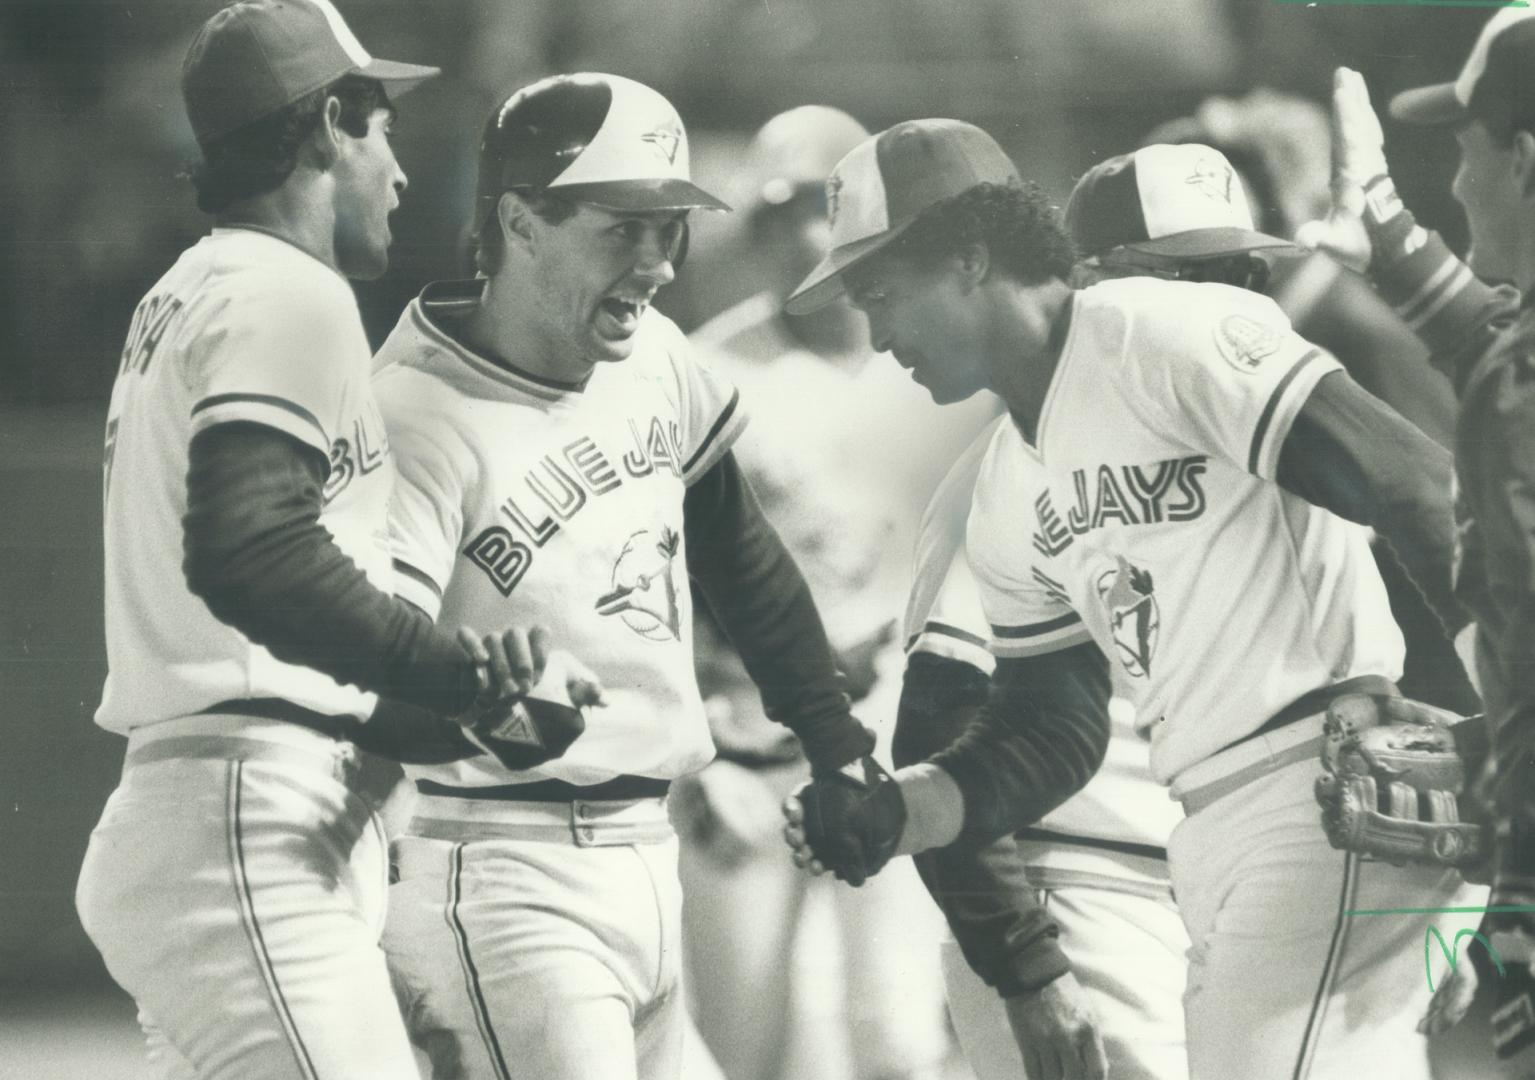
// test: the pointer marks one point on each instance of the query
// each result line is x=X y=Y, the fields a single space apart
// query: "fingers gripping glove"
x=523 y=732
x=853 y=819
x=1391 y=785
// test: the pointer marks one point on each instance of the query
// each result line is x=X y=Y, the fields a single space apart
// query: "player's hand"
x=1452 y=998
x=1057 y=1033
x=727 y=810
x=507 y=720
x=848 y=821
x=1358 y=156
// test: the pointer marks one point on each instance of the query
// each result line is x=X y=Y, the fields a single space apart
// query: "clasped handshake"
x=847 y=820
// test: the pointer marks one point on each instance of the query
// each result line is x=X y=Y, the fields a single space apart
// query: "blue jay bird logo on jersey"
x=644 y=593
x=1134 y=618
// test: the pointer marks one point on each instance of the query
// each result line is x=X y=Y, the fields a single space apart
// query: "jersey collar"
x=1060 y=350
x=443 y=303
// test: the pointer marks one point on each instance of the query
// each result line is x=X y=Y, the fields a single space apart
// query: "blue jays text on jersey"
x=560 y=485
x=1128 y=495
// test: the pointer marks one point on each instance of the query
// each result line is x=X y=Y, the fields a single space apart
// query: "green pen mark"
x=1450 y=951
x=1432 y=934
x=1408 y=3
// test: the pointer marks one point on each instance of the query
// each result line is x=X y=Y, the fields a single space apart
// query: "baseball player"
x=1278 y=144
x=1173 y=493
x=842 y=452
x=1091 y=973
x=561 y=454
x=235 y=884
x=1479 y=335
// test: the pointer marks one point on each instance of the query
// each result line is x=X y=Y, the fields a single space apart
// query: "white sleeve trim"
x=1014 y=642
x=274 y=412
x=952 y=643
x=418 y=588
x=722 y=435
x=1284 y=405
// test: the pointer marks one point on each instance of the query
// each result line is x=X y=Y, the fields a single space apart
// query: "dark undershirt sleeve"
x=760 y=600
x=983 y=889
x=256 y=553
x=1036 y=742
x=1350 y=453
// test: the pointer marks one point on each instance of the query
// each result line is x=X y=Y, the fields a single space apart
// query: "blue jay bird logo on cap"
x=1213 y=179
x=833 y=197
x=665 y=139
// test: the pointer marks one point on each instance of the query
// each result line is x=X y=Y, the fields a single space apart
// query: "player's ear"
x=973 y=261
x=516 y=218
x=1524 y=161
x=327 y=136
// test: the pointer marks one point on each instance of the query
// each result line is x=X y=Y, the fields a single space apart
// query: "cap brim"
x=824 y=284
x=637 y=195
x=1197 y=243
x=1428 y=105
x=401 y=77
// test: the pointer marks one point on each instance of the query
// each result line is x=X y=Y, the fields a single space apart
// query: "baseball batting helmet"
x=599 y=139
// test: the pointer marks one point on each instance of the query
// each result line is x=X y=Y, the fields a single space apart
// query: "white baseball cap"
x=595 y=138
x=1181 y=200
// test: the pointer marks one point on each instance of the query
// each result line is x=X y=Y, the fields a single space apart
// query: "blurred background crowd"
x=94 y=206
x=94 y=135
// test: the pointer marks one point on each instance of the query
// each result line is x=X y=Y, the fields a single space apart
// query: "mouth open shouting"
x=618 y=317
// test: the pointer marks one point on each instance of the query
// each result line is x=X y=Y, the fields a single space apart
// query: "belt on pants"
x=620 y=811
x=1292 y=734
x=240 y=737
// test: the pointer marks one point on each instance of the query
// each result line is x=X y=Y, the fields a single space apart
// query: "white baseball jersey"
x=1122 y=803
x=243 y=327
x=1148 y=519
x=523 y=502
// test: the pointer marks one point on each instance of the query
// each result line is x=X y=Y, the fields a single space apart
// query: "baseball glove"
x=1394 y=773
x=853 y=819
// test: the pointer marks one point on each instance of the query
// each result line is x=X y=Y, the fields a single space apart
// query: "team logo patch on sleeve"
x=1246 y=343
x=1134 y=617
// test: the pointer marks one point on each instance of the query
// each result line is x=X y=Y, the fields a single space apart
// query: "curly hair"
x=1020 y=226
x=258 y=157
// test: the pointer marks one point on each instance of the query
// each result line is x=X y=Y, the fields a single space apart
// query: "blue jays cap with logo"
x=886 y=182
x=1180 y=200
x=598 y=139
x=1497 y=81
x=254 y=57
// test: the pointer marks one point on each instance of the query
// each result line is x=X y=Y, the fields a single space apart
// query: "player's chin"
x=946 y=394
x=610 y=347
x=365 y=262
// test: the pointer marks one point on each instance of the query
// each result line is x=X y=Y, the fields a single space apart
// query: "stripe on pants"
x=466 y=961
x=1314 y=1022
x=247 y=903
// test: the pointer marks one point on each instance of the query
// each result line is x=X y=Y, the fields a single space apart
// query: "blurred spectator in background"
x=1279 y=145
x=843 y=455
